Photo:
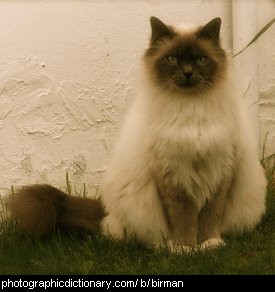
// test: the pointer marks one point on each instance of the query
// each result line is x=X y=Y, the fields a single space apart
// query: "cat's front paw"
x=179 y=248
x=211 y=243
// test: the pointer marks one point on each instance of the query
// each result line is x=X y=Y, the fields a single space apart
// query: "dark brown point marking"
x=190 y=62
x=40 y=209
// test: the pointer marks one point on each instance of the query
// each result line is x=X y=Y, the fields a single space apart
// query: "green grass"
x=78 y=254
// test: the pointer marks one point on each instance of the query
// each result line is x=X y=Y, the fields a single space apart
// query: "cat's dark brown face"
x=190 y=62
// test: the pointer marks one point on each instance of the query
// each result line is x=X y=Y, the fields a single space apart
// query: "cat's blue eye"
x=201 y=60
x=172 y=60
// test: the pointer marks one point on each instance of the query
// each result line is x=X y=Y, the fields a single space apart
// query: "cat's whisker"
x=207 y=86
x=163 y=85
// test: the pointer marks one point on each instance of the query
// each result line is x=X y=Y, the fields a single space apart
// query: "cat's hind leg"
x=246 y=200
x=134 y=210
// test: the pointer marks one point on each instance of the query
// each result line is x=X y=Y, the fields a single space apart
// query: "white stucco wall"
x=255 y=66
x=67 y=71
x=266 y=76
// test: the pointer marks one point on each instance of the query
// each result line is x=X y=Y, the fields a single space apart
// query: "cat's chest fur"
x=194 y=148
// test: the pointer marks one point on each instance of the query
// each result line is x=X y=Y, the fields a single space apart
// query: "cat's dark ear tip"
x=218 y=20
x=153 y=18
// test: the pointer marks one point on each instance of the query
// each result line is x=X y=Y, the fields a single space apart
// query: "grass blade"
x=68 y=185
x=263 y=30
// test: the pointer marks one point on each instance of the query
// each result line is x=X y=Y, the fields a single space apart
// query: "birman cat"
x=185 y=169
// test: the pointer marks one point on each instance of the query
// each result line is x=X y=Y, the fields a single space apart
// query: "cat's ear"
x=211 y=30
x=159 y=30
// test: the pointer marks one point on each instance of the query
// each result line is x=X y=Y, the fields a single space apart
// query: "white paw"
x=179 y=248
x=211 y=243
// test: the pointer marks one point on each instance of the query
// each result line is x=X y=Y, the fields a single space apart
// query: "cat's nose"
x=188 y=75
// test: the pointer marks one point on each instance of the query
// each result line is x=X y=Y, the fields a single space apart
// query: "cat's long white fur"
x=183 y=129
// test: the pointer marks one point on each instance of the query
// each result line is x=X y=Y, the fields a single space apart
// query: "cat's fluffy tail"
x=40 y=209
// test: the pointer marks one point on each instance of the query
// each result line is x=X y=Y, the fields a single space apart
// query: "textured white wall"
x=67 y=78
x=255 y=66
x=67 y=71
x=266 y=76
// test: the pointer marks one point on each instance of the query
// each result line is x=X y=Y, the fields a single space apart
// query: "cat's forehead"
x=185 y=43
x=185 y=29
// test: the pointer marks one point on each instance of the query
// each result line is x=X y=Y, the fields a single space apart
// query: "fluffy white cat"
x=185 y=169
